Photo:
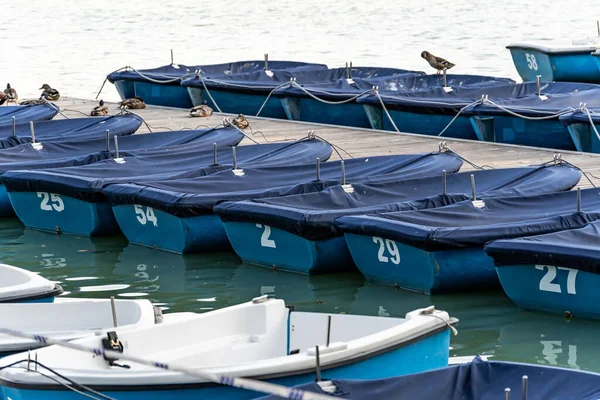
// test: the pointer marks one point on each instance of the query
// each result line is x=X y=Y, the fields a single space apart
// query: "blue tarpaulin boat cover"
x=169 y=72
x=417 y=81
x=260 y=83
x=521 y=97
x=190 y=197
x=85 y=182
x=573 y=248
x=466 y=224
x=67 y=154
x=478 y=380
x=24 y=114
x=311 y=215
x=75 y=129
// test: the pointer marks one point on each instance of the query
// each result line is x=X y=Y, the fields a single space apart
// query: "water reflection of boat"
x=550 y=340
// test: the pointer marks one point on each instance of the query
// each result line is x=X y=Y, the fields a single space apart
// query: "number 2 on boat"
x=391 y=248
x=145 y=217
x=547 y=285
x=51 y=201
x=265 y=239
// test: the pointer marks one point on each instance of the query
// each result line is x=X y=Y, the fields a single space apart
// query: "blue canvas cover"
x=26 y=113
x=67 y=154
x=580 y=117
x=311 y=215
x=573 y=248
x=75 y=129
x=190 y=197
x=173 y=71
x=521 y=97
x=341 y=89
x=179 y=162
x=466 y=224
x=478 y=380
x=260 y=83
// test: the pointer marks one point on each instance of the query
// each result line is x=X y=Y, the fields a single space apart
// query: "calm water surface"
x=72 y=45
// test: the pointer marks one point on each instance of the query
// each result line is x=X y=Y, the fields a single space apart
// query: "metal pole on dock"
x=108 y=140
x=444 y=182
x=524 y=391
x=116 y=145
x=214 y=154
x=14 y=120
x=318 y=169
x=32 y=131
x=578 y=199
x=473 y=187
x=114 y=309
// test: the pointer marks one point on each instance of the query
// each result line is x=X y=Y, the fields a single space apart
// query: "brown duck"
x=49 y=93
x=100 y=110
x=135 y=103
x=201 y=111
x=241 y=122
x=11 y=93
x=439 y=63
x=3 y=98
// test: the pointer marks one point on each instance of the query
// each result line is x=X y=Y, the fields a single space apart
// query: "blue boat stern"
x=126 y=89
x=163 y=95
x=196 y=95
x=278 y=249
x=531 y=62
x=6 y=208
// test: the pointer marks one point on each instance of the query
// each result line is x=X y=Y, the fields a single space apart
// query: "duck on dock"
x=11 y=94
x=3 y=98
x=49 y=93
x=439 y=63
x=201 y=111
x=134 y=103
x=100 y=110
x=241 y=122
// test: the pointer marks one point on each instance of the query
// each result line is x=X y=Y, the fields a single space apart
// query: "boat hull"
x=163 y=95
x=423 y=354
x=126 y=89
x=6 y=208
x=278 y=249
x=584 y=137
x=63 y=214
x=164 y=231
x=567 y=66
x=238 y=103
x=552 y=289
x=393 y=263
x=309 y=110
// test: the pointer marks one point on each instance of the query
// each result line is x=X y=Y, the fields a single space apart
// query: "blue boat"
x=574 y=63
x=556 y=272
x=301 y=101
x=18 y=285
x=70 y=200
x=161 y=86
x=301 y=235
x=261 y=339
x=441 y=250
x=181 y=211
x=250 y=93
x=584 y=127
x=27 y=113
x=477 y=380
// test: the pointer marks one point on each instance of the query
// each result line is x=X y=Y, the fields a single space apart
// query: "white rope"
x=584 y=108
x=269 y=96
x=208 y=92
x=242 y=383
x=295 y=84
x=386 y=111
x=173 y=80
x=515 y=114
x=456 y=116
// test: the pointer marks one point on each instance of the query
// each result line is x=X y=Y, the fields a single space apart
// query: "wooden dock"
x=356 y=142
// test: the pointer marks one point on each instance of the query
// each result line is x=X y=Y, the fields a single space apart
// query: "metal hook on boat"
x=116 y=145
x=473 y=187
x=343 y=172
x=578 y=199
x=507 y=394
x=234 y=157
x=172 y=57
x=524 y=391
x=266 y=61
x=108 y=140
x=538 y=79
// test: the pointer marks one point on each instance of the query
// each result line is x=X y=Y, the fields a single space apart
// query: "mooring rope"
x=241 y=383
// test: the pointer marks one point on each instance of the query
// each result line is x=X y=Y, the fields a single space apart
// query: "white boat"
x=261 y=339
x=69 y=319
x=20 y=285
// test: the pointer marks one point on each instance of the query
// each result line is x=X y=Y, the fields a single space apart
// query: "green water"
x=489 y=322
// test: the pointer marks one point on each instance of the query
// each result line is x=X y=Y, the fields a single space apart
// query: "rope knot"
x=557 y=159
x=311 y=134
x=443 y=147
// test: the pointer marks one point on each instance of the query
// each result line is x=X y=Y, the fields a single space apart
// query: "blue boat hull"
x=126 y=89
x=422 y=355
x=278 y=249
x=514 y=130
x=239 y=103
x=396 y=264
x=164 y=231
x=425 y=124
x=309 y=110
x=584 y=137
x=552 y=289
x=6 y=208
x=163 y=95
x=565 y=67
x=63 y=214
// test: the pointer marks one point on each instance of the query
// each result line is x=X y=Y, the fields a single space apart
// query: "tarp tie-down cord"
x=242 y=383
x=444 y=148
x=583 y=108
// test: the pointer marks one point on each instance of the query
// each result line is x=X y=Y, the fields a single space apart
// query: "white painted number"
x=145 y=217
x=265 y=240
x=547 y=285
x=553 y=348
x=531 y=61
x=391 y=248
x=51 y=201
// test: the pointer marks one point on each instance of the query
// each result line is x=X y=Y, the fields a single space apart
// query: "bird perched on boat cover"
x=3 y=98
x=49 y=93
x=439 y=63
x=135 y=103
x=100 y=110
x=201 y=111
x=241 y=122
x=11 y=93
